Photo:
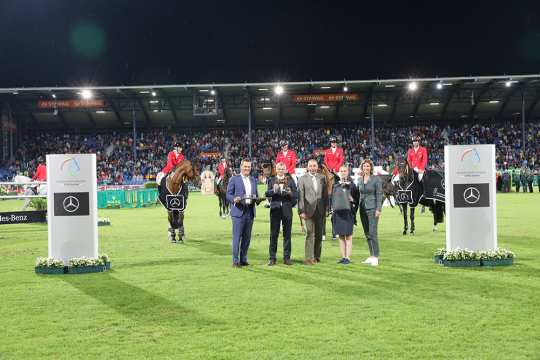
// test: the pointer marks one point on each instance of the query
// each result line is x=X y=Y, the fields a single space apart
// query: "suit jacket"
x=310 y=200
x=236 y=188
x=280 y=199
x=371 y=193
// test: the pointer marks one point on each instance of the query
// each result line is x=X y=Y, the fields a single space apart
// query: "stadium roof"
x=450 y=99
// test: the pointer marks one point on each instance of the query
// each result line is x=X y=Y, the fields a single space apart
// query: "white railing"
x=21 y=183
x=21 y=196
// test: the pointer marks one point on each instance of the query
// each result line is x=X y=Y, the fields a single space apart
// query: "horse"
x=411 y=192
x=221 y=192
x=176 y=185
x=37 y=189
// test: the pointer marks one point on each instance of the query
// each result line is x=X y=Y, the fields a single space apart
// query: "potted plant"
x=49 y=266
x=438 y=255
x=461 y=258
x=104 y=222
x=85 y=265
x=497 y=257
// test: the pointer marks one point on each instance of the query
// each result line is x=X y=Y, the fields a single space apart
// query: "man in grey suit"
x=312 y=206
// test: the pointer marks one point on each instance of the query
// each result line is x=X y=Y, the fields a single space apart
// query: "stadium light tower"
x=278 y=90
x=412 y=86
x=86 y=94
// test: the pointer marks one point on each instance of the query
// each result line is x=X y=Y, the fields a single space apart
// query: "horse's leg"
x=220 y=206
x=181 y=233
x=412 y=221
x=172 y=234
x=403 y=207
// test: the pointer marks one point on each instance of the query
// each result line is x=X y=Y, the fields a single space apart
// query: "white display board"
x=469 y=172
x=72 y=206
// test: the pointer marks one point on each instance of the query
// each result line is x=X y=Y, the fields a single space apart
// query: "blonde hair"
x=370 y=164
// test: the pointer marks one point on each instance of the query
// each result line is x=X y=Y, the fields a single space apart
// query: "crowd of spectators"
x=116 y=163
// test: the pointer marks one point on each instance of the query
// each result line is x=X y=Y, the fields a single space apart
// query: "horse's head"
x=331 y=178
x=403 y=169
x=268 y=169
x=184 y=171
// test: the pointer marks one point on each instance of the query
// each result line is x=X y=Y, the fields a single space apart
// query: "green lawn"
x=168 y=301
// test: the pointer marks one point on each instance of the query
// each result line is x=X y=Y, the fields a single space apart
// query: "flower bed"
x=82 y=265
x=468 y=258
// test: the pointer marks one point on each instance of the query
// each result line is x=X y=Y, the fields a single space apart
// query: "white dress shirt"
x=247 y=184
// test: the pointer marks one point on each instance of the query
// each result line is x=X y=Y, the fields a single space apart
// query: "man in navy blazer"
x=242 y=194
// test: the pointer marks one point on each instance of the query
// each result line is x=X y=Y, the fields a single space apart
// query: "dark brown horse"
x=175 y=182
x=410 y=192
x=221 y=193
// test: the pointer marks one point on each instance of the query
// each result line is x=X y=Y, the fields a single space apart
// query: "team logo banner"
x=23 y=217
x=71 y=204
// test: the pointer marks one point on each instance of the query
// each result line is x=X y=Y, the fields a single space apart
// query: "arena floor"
x=186 y=301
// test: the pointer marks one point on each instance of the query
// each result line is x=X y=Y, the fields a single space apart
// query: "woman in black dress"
x=345 y=198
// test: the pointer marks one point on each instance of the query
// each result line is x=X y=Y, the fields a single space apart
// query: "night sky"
x=117 y=42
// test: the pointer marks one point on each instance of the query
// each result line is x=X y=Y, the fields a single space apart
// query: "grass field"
x=166 y=301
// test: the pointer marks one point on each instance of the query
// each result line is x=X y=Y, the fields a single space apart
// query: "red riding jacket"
x=417 y=159
x=289 y=160
x=334 y=160
x=173 y=159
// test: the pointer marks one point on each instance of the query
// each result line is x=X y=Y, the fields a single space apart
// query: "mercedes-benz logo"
x=175 y=202
x=471 y=195
x=71 y=204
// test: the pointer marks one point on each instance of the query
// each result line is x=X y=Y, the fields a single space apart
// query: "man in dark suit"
x=242 y=194
x=282 y=190
x=312 y=208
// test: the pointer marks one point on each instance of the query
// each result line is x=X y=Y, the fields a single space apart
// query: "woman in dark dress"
x=344 y=205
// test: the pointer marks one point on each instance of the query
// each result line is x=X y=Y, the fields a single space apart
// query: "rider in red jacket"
x=221 y=170
x=41 y=172
x=174 y=158
x=333 y=157
x=288 y=157
x=417 y=157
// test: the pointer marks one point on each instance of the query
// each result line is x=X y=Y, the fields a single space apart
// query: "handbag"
x=340 y=199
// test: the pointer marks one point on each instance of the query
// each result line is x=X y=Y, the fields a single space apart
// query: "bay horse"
x=221 y=192
x=411 y=192
x=176 y=183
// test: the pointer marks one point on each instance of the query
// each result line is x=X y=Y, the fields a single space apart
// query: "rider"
x=40 y=175
x=333 y=157
x=41 y=171
x=417 y=158
x=221 y=170
x=174 y=158
x=288 y=157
